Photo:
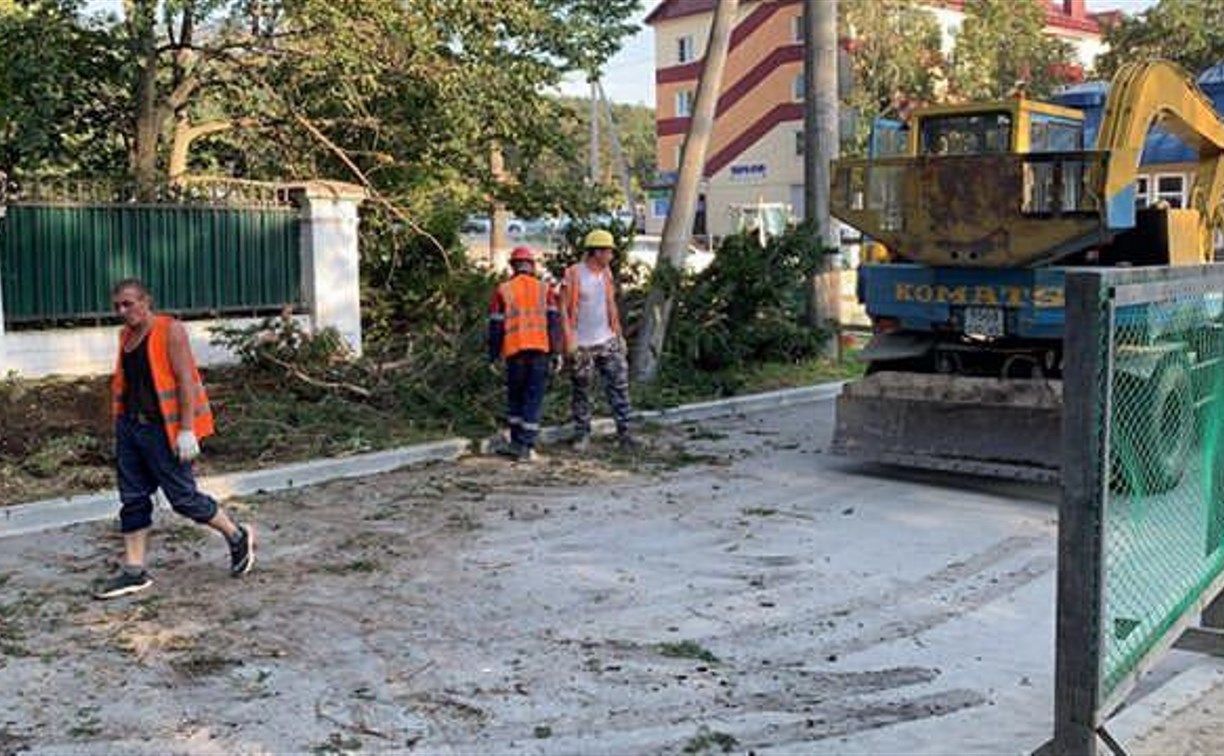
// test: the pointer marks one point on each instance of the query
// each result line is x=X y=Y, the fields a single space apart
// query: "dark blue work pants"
x=526 y=381
x=145 y=462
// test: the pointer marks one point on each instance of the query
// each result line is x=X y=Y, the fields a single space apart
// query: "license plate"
x=983 y=321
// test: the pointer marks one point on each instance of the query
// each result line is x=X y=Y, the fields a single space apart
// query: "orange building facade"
x=756 y=150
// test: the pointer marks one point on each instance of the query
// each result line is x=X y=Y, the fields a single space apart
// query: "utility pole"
x=497 y=210
x=679 y=225
x=596 y=169
x=618 y=155
x=821 y=136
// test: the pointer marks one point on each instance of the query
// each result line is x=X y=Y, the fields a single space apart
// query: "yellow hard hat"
x=599 y=239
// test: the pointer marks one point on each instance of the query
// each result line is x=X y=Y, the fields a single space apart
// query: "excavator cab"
x=982 y=214
x=998 y=184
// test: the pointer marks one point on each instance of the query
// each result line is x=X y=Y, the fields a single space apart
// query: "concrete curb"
x=56 y=513
x=1159 y=706
x=688 y=413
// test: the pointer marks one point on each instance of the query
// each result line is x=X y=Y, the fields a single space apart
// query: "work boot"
x=526 y=454
x=127 y=582
x=242 y=552
x=581 y=443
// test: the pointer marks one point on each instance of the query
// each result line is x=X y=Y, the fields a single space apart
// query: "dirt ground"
x=733 y=590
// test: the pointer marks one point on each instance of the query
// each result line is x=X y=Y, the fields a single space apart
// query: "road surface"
x=735 y=589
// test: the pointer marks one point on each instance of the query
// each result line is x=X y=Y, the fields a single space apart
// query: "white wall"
x=91 y=351
x=330 y=287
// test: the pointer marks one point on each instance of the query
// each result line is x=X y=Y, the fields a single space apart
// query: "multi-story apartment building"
x=756 y=150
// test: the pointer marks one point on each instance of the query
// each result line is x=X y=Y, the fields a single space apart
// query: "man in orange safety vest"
x=525 y=331
x=161 y=413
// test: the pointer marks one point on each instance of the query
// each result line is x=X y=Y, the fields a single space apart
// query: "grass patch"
x=336 y=743
x=685 y=387
x=687 y=650
x=86 y=728
x=264 y=420
x=707 y=740
x=203 y=665
x=357 y=566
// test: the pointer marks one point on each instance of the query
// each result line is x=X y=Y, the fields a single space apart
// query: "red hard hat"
x=522 y=254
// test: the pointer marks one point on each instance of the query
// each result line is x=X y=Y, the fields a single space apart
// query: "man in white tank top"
x=593 y=339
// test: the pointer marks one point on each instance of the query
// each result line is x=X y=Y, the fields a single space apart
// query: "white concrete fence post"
x=331 y=276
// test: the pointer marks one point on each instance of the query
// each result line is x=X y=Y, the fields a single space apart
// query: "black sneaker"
x=628 y=443
x=123 y=584
x=242 y=554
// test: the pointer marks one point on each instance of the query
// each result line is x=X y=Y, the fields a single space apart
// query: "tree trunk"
x=822 y=134
x=648 y=349
x=142 y=20
x=185 y=134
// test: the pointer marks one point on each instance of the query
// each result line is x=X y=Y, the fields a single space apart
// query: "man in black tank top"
x=139 y=395
x=145 y=461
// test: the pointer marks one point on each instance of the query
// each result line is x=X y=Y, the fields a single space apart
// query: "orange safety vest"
x=164 y=383
x=525 y=299
x=571 y=284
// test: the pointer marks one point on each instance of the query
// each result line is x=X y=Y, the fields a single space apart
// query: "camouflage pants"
x=609 y=360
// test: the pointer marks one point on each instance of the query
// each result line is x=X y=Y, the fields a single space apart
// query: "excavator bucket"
x=983 y=426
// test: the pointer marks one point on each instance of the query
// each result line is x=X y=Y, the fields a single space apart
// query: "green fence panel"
x=1162 y=514
x=1141 y=522
x=58 y=261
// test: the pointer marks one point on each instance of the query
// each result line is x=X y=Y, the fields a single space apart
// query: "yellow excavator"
x=983 y=211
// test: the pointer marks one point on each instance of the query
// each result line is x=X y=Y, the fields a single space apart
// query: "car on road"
x=645 y=251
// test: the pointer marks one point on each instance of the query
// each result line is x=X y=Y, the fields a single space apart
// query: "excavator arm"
x=1152 y=93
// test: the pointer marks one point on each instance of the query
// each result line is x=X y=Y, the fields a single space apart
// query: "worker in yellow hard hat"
x=593 y=338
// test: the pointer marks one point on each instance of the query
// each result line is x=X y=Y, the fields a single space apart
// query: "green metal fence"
x=1141 y=526
x=59 y=260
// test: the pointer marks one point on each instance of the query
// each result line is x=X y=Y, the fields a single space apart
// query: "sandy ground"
x=747 y=593
x=1194 y=729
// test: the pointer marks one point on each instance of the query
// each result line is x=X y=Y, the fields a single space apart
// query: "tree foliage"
x=748 y=306
x=61 y=89
x=407 y=96
x=1188 y=32
x=895 y=58
x=1003 y=44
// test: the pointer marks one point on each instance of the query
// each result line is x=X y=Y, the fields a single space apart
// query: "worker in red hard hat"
x=525 y=331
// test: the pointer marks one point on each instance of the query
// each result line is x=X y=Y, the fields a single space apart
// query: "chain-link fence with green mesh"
x=1142 y=521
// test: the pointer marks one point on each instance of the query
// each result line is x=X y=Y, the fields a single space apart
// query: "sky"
x=630 y=77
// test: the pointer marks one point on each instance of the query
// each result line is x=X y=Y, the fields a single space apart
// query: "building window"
x=684 y=103
x=659 y=207
x=797 y=88
x=685 y=51
x=798 y=143
x=797 y=28
x=1141 y=192
x=1171 y=188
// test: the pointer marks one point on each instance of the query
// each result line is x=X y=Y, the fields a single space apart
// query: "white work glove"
x=188 y=447
x=556 y=364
